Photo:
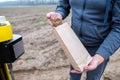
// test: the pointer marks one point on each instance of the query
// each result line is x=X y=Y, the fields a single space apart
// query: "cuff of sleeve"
x=103 y=52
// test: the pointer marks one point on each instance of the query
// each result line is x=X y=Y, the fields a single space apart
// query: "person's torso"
x=88 y=20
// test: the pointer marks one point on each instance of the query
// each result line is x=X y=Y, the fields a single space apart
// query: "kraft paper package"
x=72 y=46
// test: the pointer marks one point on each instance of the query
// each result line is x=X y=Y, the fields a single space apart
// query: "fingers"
x=54 y=19
x=75 y=71
x=89 y=68
x=92 y=65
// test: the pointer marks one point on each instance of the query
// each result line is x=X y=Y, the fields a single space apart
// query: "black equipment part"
x=11 y=50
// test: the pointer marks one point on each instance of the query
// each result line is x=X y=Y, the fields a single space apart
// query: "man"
x=100 y=39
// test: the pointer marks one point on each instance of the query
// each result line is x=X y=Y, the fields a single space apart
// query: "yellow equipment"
x=5 y=31
x=11 y=48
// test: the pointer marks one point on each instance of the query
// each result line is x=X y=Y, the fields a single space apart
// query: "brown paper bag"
x=72 y=46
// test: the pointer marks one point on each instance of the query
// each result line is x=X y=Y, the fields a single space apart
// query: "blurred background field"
x=44 y=59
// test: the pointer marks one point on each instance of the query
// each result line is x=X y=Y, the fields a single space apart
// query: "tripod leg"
x=2 y=76
x=8 y=72
x=11 y=70
x=5 y=72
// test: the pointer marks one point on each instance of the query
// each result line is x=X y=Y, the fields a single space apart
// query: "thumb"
x=48 y=15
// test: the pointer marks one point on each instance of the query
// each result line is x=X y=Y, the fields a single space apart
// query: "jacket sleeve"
x=63 y=8
x=112 y=41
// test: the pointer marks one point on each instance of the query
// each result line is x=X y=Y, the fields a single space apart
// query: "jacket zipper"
x=84 y=3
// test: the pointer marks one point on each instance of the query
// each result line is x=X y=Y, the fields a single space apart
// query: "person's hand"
x=95 y=62
x=54 y=18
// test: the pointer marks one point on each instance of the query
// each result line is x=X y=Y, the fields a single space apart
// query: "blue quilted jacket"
x=88 y=23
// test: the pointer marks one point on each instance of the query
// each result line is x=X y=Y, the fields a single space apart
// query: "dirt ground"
x=43 y=58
